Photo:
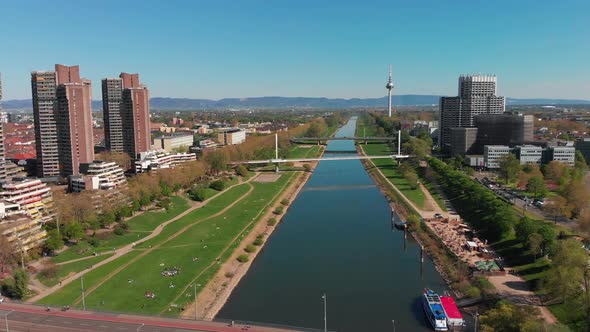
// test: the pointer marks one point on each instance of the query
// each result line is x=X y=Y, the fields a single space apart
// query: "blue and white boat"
x=434 y=310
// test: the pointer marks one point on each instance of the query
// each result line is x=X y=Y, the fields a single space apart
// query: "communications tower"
x=389 y=87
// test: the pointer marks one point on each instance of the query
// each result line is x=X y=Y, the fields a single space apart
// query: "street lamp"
x=6 y=320
x=325 y=298
x=393 y=322
x=83 y=295
x=476 y=317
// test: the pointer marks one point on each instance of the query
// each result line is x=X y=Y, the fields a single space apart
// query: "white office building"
x=492 y=154
x=529 y=154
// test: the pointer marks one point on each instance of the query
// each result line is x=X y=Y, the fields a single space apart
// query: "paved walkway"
x=126 y=249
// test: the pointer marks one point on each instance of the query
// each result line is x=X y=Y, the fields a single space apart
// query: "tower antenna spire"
x=389 y=87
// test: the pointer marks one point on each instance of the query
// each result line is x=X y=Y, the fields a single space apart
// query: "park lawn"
x=63 y=271
x=148 y=221
x=139 y=226
x=214 y=206
x=304 y=151
x=70 y=292
x=206 y=240
x=518 y=256
x=362 y=130
x=390 y=170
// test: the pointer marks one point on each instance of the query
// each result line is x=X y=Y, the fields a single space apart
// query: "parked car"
x=438 y=216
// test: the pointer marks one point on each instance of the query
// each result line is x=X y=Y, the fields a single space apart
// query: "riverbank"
x=452 y=270
x=216 y=293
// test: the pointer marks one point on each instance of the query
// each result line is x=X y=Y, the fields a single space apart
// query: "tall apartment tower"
x=135 y=116
x=44 y=85
x=2 y=152
x=73 y=115
x=477 y=95
x=112 y=99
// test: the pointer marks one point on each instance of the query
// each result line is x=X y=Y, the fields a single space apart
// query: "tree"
x=122 y=159
x=412 y=179
x=568 y=271
x=554 y=170
x=536 y=186
x=54 y=241
x=535 y=242
x=577 y=194
x=316 y=129
x=73 y=231
x=509 y=167
x=217 y=161
x=524 y=228
x=508 y=317
x=17 y=287
x=8 y=255
x=557 y=207
x=418 y=148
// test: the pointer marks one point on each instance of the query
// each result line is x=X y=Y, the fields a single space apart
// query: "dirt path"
x=126 y=249
x=516 y=290
x=207 y=297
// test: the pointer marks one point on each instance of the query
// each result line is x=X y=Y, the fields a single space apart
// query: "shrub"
x=198 y=194
x=250 y=248
x=473 y=292
x=217 y=185
x=285 y=201
x=50 y=271
x=242 y=171
x=258 y=242
x=229 y=274
x=278 y=210
x=93 y=241
x=271 y=221
x=119 y=230
x=243 y=258
x=307 y=167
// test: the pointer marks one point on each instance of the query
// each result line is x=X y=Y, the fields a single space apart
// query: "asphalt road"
x=16 y=317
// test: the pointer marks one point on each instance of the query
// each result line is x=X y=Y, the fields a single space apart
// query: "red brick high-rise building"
x=73 y=115
x=135 y=116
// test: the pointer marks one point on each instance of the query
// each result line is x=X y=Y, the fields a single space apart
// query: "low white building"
x=529 y=154
x=171 y=142
x=231 y=136
x=159 y=159
x=98 y=175
x=564 y=154
x=492 y=154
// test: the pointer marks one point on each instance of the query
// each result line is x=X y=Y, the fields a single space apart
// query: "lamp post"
x=476 y=317
x=196 y=315
x=6 y=320
x=393 y=322
x=325 y=298
x=83 y=295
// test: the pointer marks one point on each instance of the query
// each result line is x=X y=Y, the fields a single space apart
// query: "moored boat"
x=454 y=317
x=434 y=310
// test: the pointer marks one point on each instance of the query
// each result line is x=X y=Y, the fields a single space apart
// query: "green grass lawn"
x=69 y=293
x=390 y=170
x=204 y=240
x=139 y=227
x=299 y=151
x=65 y=270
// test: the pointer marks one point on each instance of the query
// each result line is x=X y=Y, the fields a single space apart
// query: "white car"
x=1 y=299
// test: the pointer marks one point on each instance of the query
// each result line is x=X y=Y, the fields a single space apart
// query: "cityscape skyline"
x=227 y=49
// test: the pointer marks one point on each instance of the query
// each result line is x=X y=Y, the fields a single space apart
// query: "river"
x=337 y=238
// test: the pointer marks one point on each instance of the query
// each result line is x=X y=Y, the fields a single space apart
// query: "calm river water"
x=337 y=238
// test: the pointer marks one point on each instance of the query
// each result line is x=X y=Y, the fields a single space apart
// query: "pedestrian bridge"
x=318 y=140
x=304 y=160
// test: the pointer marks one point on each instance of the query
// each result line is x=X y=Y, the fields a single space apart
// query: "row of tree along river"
x=337 y=238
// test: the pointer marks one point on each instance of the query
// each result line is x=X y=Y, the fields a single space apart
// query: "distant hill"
x=299 y=102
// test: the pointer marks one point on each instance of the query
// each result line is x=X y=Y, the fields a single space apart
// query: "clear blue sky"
x=241 y=48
